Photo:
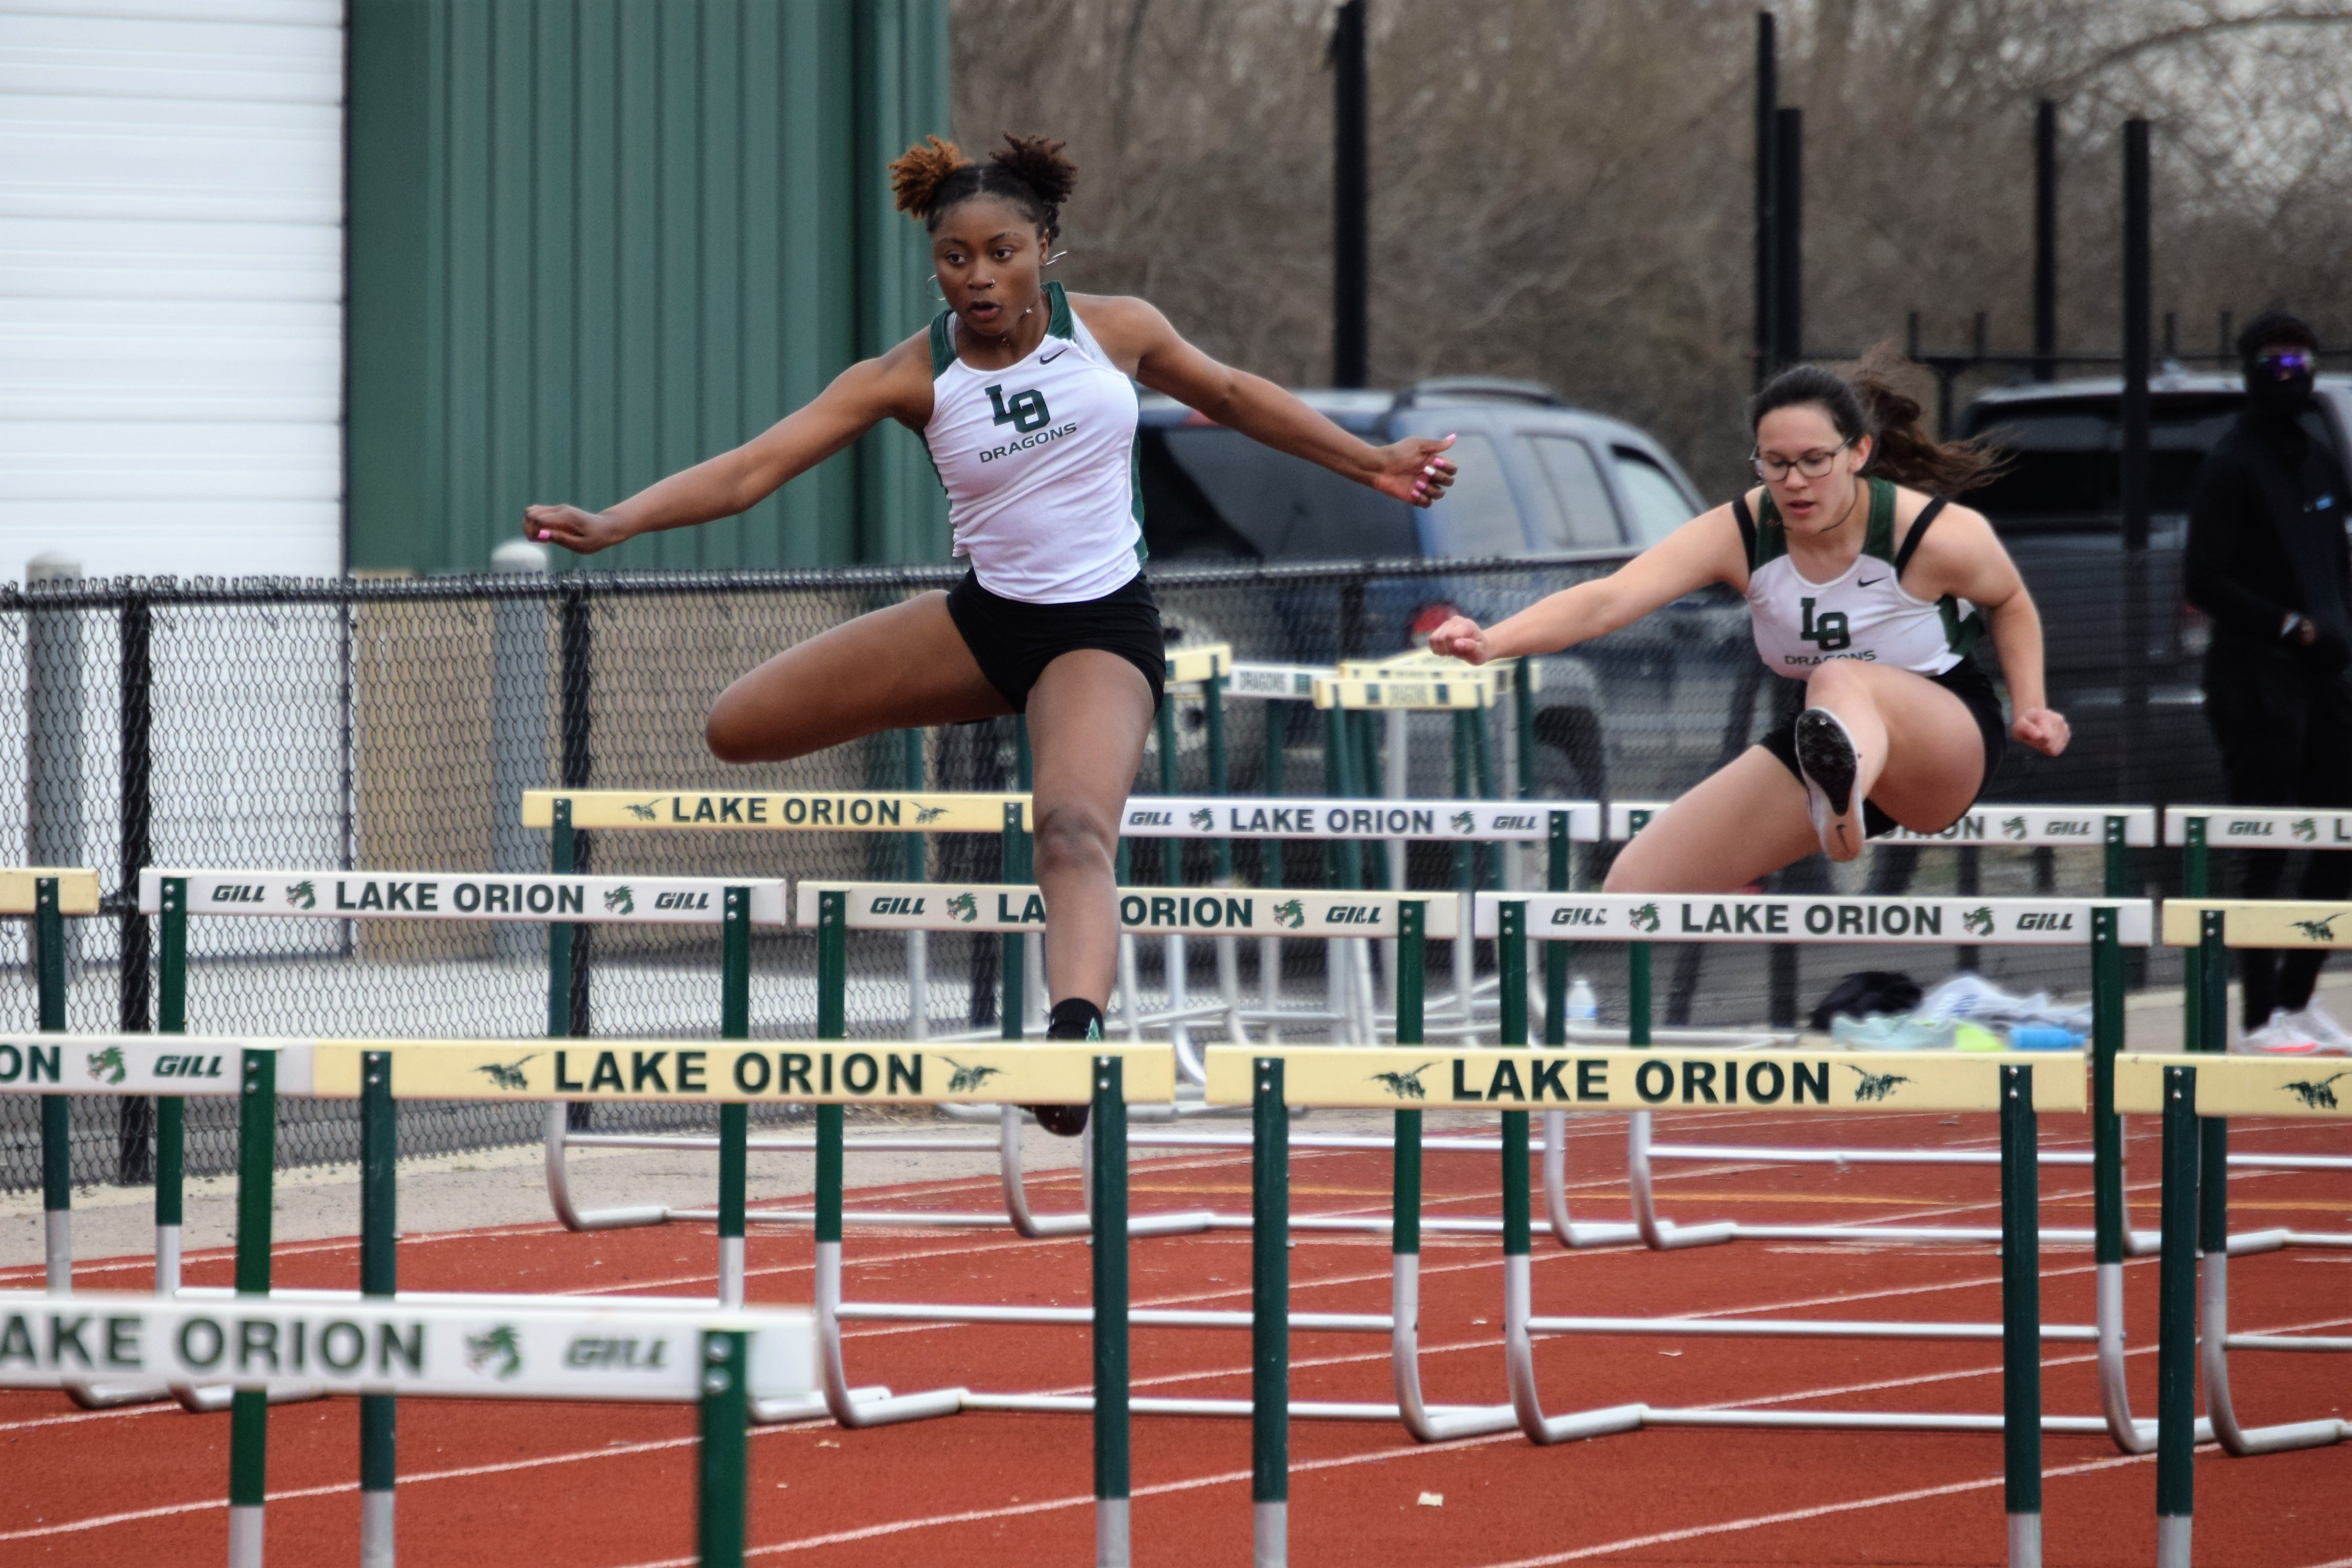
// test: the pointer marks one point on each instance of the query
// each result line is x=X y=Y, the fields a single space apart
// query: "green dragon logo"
x=927 y=814
x=968 y=1080
x=106 y=1066
x=509 y=1075
x=621 y=901
x=1644 y=917
x=1404 y=1086
x=2315 y=1097
x=1204 y=818
x=2317 y=930
x=1979 y=920
x=964 y=908
x=2015 y=826
x=1290 y=912
x=2305 y=828
x=645 y=813
x=1463 y=821
x=1875 y=1085
x=498 y=1354
x=303 y=895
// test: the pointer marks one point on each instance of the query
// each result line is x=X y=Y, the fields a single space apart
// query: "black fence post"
x=2045 y=240
x=575 y=645
x=1789 y=234
x=2130 y=785
x=1768 y=103
x=134 y=1160
x=1352 y=310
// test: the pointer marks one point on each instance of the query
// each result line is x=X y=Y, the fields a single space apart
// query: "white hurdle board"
x=1142 y=910
x=1799 y=918
x=1276 y=816
x=144 y=1064
x=464 y=895
x=557 y=1347
x=2268 y=828
x=1990 y=824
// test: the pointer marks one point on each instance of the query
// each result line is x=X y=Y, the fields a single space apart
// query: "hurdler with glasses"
x=1864 y=583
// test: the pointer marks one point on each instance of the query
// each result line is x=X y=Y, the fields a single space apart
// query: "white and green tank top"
x=1864 y=614
x=1038 y=462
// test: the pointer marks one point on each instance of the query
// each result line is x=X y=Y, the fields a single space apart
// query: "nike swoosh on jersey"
x=1049 y=359
x=1866 y=581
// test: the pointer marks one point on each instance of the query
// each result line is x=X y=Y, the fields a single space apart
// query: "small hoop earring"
x=1052 y=256
x=937 y=292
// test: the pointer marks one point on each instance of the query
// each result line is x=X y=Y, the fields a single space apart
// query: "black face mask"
x=2279 y=396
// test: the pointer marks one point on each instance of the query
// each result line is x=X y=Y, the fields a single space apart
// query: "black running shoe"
x=1827 y=758
x=1073 y=1019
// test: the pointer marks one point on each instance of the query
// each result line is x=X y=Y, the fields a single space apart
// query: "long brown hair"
x=1868 y=399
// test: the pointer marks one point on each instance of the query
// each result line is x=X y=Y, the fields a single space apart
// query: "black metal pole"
x=2134 y=458
x=135 y=1122
x=1767 y=101
x=1351 y=310
x=575 y=647
x=2045 y=240
x=1788 y=236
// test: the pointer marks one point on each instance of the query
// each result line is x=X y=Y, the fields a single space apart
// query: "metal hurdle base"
x=2214 y=1345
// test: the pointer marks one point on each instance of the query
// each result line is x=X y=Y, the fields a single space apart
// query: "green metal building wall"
x=594 y=241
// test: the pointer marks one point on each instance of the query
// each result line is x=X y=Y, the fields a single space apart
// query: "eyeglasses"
x=1812 y=465
x=2280 y=367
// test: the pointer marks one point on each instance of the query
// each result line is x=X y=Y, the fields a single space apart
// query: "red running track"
x=612 y=1486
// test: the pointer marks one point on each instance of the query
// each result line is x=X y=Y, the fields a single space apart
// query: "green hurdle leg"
x=1269 y=1318
x=248 y=1442
x=2176 y=1354
x=1556 y=953
x=725 y=1455
x=170 y=1111
x=57 y=1110
x=734 y=1117
x=2021 y=1316
x=1012 y=945
x=2107 y=1131
x=1405 y=1158
x=1112 y=1480
x=379 y=1276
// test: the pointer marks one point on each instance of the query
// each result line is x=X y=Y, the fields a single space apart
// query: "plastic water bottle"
x=1584 y=1007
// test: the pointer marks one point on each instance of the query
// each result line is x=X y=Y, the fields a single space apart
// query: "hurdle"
x=1427 y=1422
x=2198 y=830
x=557 y=901
x=508 y=1349
x=46 y=896
x=1516 y=1081
x=2105 y=927
x=2196 y=1094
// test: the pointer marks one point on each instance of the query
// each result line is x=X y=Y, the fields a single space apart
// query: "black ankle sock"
x=1074 y=1017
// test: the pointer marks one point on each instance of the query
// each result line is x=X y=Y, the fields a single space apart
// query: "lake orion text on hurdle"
x=1926 y=920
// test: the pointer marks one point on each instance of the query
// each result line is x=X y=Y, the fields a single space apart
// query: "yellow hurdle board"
x=77 y=889
x=1417 y=1077
x=797 y=810
x=2239 y=1085
x=832 y=1072
x=1421 y=664
x=2245 y=923
x=1190 y=666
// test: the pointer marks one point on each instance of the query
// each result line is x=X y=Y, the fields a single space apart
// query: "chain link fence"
x=391 y=724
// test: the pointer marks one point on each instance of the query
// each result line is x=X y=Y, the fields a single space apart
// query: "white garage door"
x=171 y=286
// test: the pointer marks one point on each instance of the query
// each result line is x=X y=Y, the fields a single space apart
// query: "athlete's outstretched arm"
x=1135 y=334
x=1962 y=555
x=1704 y=550
x=896 y=386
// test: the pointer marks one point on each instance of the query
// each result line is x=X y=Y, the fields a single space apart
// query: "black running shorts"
x=1965 y=681
x=1013 y=641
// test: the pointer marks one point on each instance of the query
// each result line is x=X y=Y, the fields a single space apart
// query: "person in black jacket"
x=2267 y=561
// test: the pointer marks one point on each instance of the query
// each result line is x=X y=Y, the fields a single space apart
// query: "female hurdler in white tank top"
x=1038 y=460
x=1863 y=613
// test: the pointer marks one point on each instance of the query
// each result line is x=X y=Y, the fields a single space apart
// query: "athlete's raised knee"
x=1074 y=837
x=1833 y=680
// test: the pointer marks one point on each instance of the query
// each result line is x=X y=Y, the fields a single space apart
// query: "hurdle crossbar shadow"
x=499 y=1348
x=1516 y=1081
x=556 y=900
x=2115 y=830
x=2105 y=927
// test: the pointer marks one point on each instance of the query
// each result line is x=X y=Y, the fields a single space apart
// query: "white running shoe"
x=2280 y=1037
x=2313 y=1022
x=1828 y=761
